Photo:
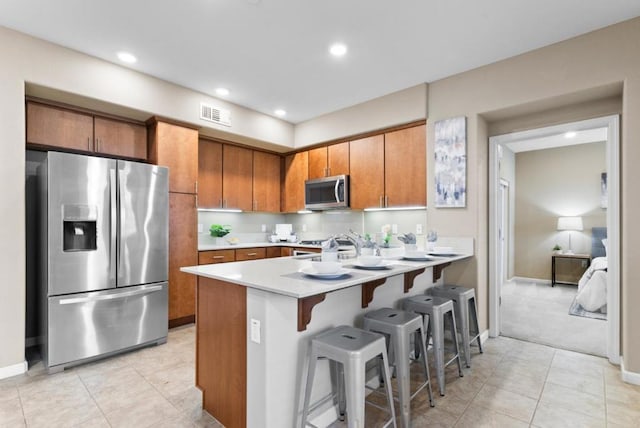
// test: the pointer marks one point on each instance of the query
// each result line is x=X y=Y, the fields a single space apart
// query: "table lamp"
x=569 y=224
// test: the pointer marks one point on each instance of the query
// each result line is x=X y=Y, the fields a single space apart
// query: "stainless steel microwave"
x=327 y=193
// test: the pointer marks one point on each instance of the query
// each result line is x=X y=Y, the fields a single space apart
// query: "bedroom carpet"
x=539 y=313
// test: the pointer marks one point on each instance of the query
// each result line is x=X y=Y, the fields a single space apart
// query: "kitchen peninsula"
x=255 y=319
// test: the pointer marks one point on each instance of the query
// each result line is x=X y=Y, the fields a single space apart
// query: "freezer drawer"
x=90 y=324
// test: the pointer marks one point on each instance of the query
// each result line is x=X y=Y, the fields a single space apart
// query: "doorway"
x=499 y=258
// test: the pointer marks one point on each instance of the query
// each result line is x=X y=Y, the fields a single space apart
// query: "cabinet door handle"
x=89 y=143
x=381 y=203
x=196 y=186
x=252 y=254
x=328 y=171
x=386 y=201
x=217 y=257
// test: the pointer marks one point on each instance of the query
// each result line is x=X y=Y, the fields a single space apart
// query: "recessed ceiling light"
x=570 y=134
x=280 y=112
x=338 y=49
x=127 y=57
x=222 y=92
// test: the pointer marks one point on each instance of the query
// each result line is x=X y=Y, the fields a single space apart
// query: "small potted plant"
x=218 y=231
x=557 y=249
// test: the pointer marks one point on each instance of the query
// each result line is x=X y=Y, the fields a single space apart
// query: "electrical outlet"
x=418 y=229
x=263 y=227
x=304 y=227
x=394 y=229
x=255 y=330
x=200 y=228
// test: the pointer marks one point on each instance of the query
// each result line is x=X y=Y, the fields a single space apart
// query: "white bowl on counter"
x=326 y=267
x=366 y=260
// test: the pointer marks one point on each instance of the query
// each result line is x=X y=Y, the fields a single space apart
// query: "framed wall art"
x=451 y=162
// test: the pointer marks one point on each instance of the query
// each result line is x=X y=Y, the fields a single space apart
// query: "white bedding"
x=592 y=287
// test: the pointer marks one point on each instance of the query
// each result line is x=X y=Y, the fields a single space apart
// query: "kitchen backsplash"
x=247 y=227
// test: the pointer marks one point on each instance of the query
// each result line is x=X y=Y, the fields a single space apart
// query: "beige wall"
x=393 y=109
x=563 y=181
x=549 y=77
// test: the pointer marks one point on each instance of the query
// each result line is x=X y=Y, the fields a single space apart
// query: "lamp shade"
x=570 y=223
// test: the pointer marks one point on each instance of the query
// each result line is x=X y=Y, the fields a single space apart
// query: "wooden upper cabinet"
x=120 y=138
x=338 y=159
x=366 y=171
x=52 y=126
x=237 y=177
x=329 y=161
x=405 y=159
x=266 y=182
x=175 y=147
x=318 y=163
x=296 y=171
x=209 y=174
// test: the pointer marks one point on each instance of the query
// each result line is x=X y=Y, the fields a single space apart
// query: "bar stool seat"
x=399 y=326
x=348 y=350
x=435 y=311
x=464 y=300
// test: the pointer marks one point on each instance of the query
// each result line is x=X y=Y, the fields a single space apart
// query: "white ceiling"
x=274 y=53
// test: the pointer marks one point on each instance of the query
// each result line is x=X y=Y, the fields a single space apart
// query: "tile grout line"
x=94 y=400
x=544 y=385
x=24 y=417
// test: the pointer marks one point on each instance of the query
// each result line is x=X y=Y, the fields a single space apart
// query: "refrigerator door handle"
x=113 y=296
x=113 y=201
x=121 y=220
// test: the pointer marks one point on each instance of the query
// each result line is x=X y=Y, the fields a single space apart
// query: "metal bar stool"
x=349 y=349
x=437 y=309
x=399 y=326
x=464 y=300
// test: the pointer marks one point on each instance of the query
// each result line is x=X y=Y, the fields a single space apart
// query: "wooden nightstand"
x=580 y=257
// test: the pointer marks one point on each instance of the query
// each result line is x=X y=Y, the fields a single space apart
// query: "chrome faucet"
x=353 y=240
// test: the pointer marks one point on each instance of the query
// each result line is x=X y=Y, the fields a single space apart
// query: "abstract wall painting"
x=451 y=162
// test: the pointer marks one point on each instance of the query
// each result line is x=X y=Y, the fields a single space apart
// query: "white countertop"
x=282 y=275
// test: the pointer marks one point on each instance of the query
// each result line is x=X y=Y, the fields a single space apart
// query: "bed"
x=592 y=287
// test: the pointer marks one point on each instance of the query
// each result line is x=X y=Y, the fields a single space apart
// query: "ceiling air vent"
x=214 y=114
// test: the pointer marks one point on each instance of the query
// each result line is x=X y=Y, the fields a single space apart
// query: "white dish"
x=314 y=273
x=326 y=266
x=380 y=266
x=369 y=260
x=441 y=254
x=418 y=259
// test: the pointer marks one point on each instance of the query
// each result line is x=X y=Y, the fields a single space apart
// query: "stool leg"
x=401 y=345
x=354 y=380
x=387 y=384
x=437 y=332
x=311 y=371
x=455 y=343
x=464 y=329
x=338 y=371
x=474 y=320
x=422 y=338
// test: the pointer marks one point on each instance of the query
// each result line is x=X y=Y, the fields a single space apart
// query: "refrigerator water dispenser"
x=79 y=228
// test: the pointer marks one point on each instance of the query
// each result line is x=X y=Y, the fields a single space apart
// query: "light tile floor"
x=512 y=384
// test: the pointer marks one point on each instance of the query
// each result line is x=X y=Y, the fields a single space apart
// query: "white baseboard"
x=484 y=336
x=13 y=370
x=535 y=280
x=627 y=376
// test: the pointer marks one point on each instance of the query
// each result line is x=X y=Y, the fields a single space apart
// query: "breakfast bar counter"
x=254 y=320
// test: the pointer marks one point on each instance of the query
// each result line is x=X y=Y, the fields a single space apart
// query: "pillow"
x=604 y=243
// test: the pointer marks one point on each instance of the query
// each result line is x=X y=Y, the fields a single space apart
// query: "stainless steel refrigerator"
x=103 y=259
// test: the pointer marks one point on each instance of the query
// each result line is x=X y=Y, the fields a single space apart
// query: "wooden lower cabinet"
x=250 y=254
x=183 y=251
x=221 y=352
x=272 y=252
x=216 y=256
